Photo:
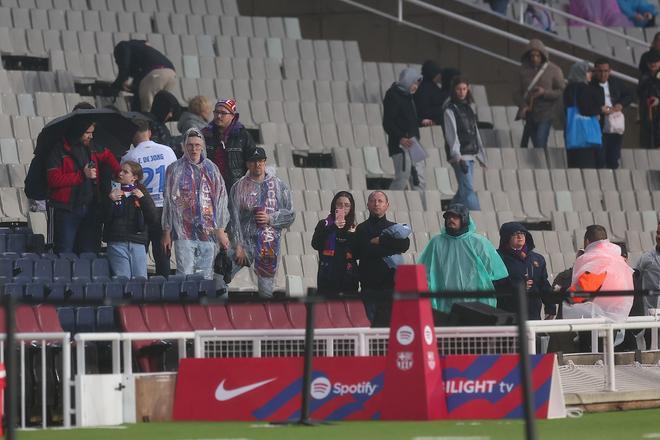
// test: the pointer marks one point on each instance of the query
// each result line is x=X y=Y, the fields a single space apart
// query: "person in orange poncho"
x=600 y=268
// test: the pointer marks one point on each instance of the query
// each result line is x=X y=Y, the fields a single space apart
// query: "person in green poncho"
x=459 y=259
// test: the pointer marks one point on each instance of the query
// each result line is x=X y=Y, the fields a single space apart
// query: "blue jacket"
x=632 y=7
x=532 y=267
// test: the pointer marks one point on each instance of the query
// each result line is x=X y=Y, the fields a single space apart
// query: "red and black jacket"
x=65 y=171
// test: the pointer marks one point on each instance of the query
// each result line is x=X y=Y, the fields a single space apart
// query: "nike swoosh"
x=223 y=394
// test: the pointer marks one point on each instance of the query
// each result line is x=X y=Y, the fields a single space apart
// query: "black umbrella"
x=113 y=130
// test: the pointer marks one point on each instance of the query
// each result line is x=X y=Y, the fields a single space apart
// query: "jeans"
x=499 y=6
x=195 y=256
x=403 y=174
x=76 y=230
x=538 y=132
x=465 y=194
x=612 y=149
x=127 y=259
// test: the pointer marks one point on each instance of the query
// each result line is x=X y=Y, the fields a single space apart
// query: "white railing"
x=43 y=342
x=572 y=17
x=460 y=18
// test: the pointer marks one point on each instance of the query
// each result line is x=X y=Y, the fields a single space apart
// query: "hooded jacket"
x=601 y=262
x=428 y=97
x=399 y=114
x=164 y=103
x=465 y=262
x=195 y=199
x=229 y=155
x=552 y=82
x=523 y=266
x=188 y=120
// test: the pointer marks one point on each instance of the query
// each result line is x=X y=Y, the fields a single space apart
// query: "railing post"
x=400 y=10
x=608 y=351
x=66 y=380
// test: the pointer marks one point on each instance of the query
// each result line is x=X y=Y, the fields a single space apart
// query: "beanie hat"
x=227 y=104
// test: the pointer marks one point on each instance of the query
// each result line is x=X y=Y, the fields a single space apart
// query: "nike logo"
x=223 y=394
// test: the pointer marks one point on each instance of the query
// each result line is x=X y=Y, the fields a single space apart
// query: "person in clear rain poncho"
x=195 y=210
x=260 y=209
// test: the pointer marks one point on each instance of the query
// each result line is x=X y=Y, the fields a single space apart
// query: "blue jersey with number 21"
x=154 y=158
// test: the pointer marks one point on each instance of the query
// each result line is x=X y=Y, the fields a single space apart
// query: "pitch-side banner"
x=476 y=387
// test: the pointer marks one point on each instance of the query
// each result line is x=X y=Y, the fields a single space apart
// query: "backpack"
x=36 y=179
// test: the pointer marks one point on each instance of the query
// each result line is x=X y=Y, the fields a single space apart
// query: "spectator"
x=154 y=159
x=499 y=6
x=640 y=12
x=644 y=59
x=525 y=267
x=540 y=18
x=539 y=87
x=228 y=142
x=447 y=76
x=73 y=182
x=428 y=97
x=129 y=213
x=603 y=12
x=463 y=143
x=589 y=101
x=459 y=259
x=600 y=268
x=333 y=239
x=165 y=108
x=649 y=271
x=371 y=245
x=150 y=70
x=197 y=116
x=616 y=96
x=194 y=209
x=260 y=209
x=648 y=92
x=401 y=125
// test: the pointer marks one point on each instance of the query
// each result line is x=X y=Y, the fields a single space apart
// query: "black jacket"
x=428 y=97
x=128 y=222
x=643 y=63
x=589 y=100
x=374 y=272
x=237 y=146
x=399 y=118
x=338 y=270
x=619 y=92
x=532 y=267
x=135 y=59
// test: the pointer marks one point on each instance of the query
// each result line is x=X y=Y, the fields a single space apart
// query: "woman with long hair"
x=128 y=212
x=333 y=239
x=463 y=143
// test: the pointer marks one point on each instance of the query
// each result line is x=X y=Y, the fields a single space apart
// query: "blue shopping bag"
x=582 y=131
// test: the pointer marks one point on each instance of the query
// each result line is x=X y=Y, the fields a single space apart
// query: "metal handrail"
x=510 y=36
x=580 y=20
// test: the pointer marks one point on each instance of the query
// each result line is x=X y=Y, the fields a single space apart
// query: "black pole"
x=11 y=369
x=525 y=372
x=309 y=356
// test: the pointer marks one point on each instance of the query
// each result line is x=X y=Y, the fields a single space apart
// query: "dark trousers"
x=612 y=149
x=584 y=158
x=537 y=132
x=77 y=230
x=161 y=259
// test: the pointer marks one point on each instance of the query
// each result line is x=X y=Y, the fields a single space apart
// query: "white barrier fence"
x=258 y=343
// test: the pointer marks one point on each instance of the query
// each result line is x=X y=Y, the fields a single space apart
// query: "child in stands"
x=128 y=212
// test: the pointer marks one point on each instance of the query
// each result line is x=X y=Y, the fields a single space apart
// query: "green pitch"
x=628 y=425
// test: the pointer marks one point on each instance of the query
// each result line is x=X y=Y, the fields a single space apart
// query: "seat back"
x=357 y=313
x=26 y=320
x=85 y=319
x=198 y=317
x=131 y=319
x=338 y=315
x=277 y=316
x=105 y=319
x=154 y=318
x=67 y=319
x=176 y=318
x=47 y=318
x=218 y=317
x=248 y=316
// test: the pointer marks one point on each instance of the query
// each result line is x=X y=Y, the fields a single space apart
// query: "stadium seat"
x=152 y=291
x=338 y=314
x=100 y=269
x=105 y=319
x=297 y=315
x=148 y=352
x=357 y=314
x=277 y=316
x=94 y=291
x=248 y=316
x=134 y=289
x=81 y=270
x=66 y=316
x=198 y=317
x=35 y=291
x=85 y=319
x=176 y=318
x=26 y=320
x=154 y=318
x=217 y=315
x=47 y=318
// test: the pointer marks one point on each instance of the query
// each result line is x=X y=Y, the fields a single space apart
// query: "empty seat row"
x=218 y=7
x=172 y=317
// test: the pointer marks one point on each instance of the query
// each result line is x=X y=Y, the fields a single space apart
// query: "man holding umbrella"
x=72 y=164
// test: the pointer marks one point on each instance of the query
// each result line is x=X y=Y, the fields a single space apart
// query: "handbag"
x=615 y=123
x=581 y=131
